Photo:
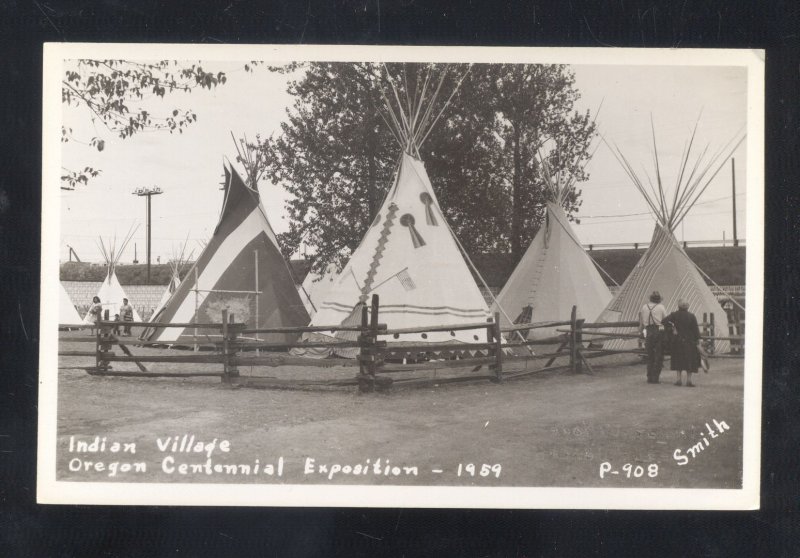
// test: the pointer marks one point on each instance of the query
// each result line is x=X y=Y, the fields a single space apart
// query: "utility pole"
x=148 y=193
x=733 y=183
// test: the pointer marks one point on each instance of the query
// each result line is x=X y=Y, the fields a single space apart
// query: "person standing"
x=126 y=313
x=685 y=354
x=651 y=317
x=95 y=312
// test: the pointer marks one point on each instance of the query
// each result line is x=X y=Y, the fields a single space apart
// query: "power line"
x=637 y=220
x=706 y=202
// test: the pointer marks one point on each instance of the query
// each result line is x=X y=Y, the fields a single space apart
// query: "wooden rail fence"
x=506 y=353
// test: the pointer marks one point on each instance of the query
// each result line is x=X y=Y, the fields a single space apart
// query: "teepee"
x=111 y=292
x=177 y=265
x=315 y=287
x=555 y=273
x=409 y=256
x=665 y=267
x=241 y=269
x=67 y=314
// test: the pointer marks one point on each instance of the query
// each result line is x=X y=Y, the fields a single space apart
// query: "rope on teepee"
x=730 y=296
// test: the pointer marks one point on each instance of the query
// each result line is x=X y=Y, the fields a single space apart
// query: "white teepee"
x=555 y=273
x=315 y=287
x=111 y=292
x=67 y=314
x=409 y=256
x=665 y=267
x=177 y=265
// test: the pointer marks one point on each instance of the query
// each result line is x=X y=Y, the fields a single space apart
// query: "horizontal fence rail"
x=381 y=364
x=725 y=243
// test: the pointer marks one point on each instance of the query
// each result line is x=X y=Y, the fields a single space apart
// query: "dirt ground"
x=553 y=429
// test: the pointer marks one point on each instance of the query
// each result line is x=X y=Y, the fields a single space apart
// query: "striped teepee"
x=177 y=265
x=242 y=270
x=665 y=267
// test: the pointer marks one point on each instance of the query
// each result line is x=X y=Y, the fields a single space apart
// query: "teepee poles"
x=693 y=178
x=413 y=120
x=110 y=253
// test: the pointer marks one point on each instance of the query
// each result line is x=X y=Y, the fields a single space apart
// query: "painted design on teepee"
x=427 y=200
x=379 y=249
x=241 y=269
x=408 y=221
x=665 y=266
x=420 y=275
x=406 y=280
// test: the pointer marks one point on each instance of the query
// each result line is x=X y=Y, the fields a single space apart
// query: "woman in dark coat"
x=685 y=355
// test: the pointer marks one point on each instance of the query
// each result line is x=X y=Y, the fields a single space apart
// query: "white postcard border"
x=52 y=491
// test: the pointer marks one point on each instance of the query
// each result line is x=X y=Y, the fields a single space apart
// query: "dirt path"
x=551 y=430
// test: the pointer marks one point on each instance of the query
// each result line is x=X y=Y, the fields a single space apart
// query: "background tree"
x=484 y=158
x=336 y=155
x=114 y=94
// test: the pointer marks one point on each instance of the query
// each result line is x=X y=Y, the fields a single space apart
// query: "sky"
x=188 y=166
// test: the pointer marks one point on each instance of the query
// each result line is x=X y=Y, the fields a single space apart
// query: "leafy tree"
x=505 y=117
x=113 y=93
x=337 y=156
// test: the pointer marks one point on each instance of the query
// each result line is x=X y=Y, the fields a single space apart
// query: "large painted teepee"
x=241 y=270
x=665 y=267
x=111 y=292
x=555 y=273
x=409 y=256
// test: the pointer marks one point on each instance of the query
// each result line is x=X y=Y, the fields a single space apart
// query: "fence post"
x=230 y=354
x=572 y=335
x=740 y=329
x=226 y=379
x=579 y=345
x=704 y=331
x=731 y=328
x=97 y=348
x=101 y=346
x=381 y=383
x=490 y=350
x=498 y=349
x=712 y=345
x=365 y=383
